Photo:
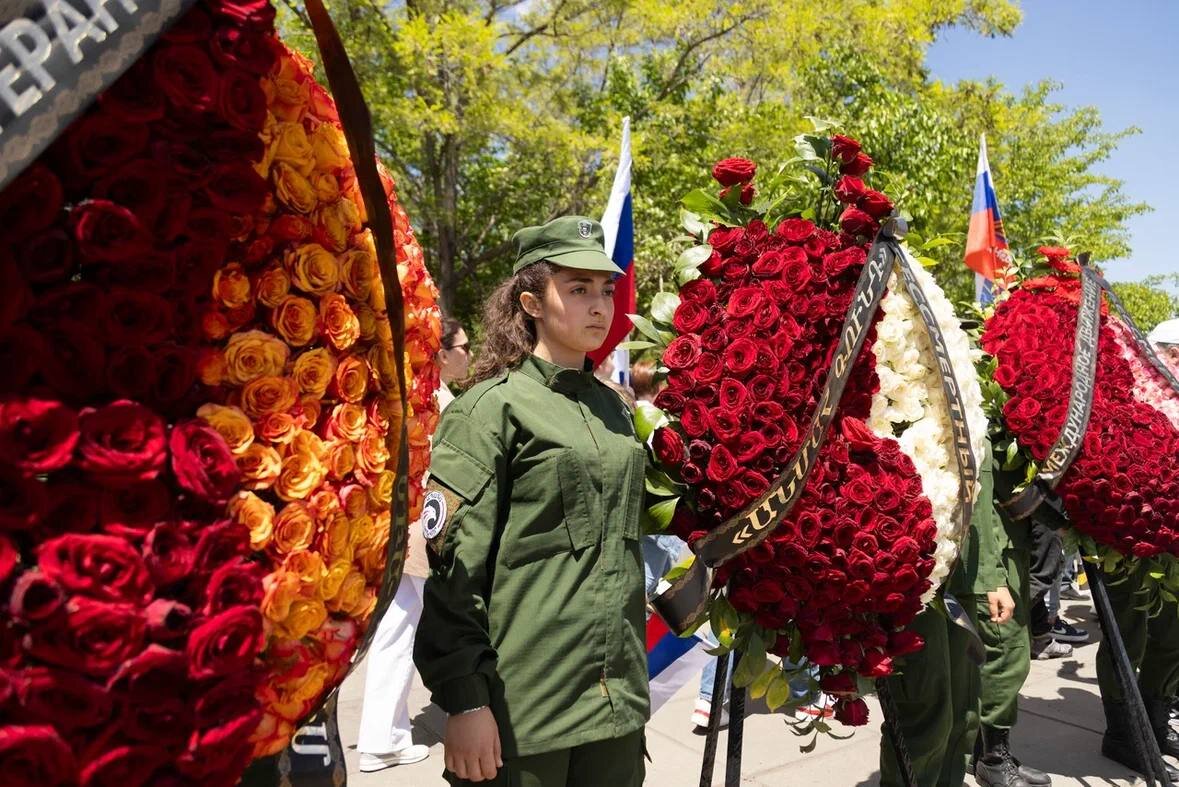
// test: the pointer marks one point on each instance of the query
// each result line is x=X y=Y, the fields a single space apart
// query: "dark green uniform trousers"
x=1009 y=646
x=1151 y=642
x=937 y=701
x=617 y=762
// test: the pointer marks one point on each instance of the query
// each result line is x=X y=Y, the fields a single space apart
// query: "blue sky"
x=1122 y=58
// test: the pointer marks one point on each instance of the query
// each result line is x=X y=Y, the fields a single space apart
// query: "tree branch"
x=677 y=78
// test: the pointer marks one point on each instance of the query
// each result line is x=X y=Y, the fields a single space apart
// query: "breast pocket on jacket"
x=550 y=511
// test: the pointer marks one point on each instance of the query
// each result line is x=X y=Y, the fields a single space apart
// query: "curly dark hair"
x=509 y=334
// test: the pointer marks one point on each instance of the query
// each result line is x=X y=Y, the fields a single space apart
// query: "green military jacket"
x=535 y=600
x=993 y=532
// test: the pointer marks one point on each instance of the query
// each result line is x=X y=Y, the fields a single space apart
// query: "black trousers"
x=1047 y=561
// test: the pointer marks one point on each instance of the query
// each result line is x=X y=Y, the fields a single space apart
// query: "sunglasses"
x=465 y=347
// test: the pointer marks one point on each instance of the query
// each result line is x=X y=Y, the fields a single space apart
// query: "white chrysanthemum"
x=911 y=405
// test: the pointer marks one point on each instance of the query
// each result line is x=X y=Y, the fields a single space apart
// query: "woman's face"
x=454 y=360
x=576 y=311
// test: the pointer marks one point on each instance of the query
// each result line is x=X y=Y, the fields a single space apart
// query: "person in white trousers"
x=385 y=736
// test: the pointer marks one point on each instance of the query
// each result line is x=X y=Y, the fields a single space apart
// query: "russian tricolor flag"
x=618 y=226
x=671 y=661
x=986 y=246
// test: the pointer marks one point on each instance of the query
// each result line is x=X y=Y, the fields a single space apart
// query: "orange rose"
x=254 y=514
x=380 y=494
x=269 y=394
x=340 y=459
x=352 y=376
x=253 y=354
x=294 y=319
x=312 y=409
x=294 y=529
x=324 y=504
x=278 y=428
x=210 y=367
x=273 y=285
x=294 y=190
x=314 y=371
x=260 y=465
x=304 y=617
x=338 y=571
x=338 y=322
x=364 y=532
x=354 y=500
x=367 y=319
x=350 y=597
x=290 y=98
x=331 y=226
x=280 y=589
x=372 y=562
x=313 y=268
x=231 y=423
x=300 y=476
x=214 y=325
x=331 y=149
x=359 y=269
x=291 y=146
x=309 y=443
x=308 y=566
x=272 y=735
x=335 y=540
x=372 y=452
x=231 y=286
x=347 y=421
x=327 y=188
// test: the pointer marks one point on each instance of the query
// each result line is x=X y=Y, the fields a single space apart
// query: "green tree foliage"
x=1148 y=303
x=495 y=114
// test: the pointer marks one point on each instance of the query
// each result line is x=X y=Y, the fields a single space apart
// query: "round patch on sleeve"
x=433 y=514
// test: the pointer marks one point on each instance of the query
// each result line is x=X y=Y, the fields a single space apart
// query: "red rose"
x=701 y=291
x=902 y=643
x=225 y=643
x=875 y=665
x=839 y=683
x=187 y=77
x=135 y=317
x=745 y=302
x=37 y=435
x=107 y=232
x=242 y=101
x=753 y=484
x=9 y=557
x=734 y=171
x=22 y=500
x=748 y=192
x=849 y=189
x=234 y=45
x=690 y=317
x=694 y=418
x=218 y=544
x=726 y=424
x=853 y=713
x=155 y=672
x=683 y=352
x=840 y=261
x=236 y=187
x=235 y=584
x=31 y=202
x=854 y=221
x=136 y=185
x=132 y=511
x=859 y=437
x=875 y=204
x=63 y=699
x=857 y=166
x=823 y=654
x=721 y=465
x=35 y=596
x=224 y=749
x=123 y=765
x=740 y=356
x=202 y=462
x=103 y=567
x=121 y=443
x=844 y=148
x=36 y=756
x=168 y=620
x=135 y=96
x=795 y=230
x=724 y=239
x=257 y=14
x=668 y=446
x=93 y=637
x=100 y=142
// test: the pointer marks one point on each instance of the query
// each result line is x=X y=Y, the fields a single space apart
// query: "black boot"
x=1118 y=742
x=1032 y=776
x=997 y=767
x=1158 y=709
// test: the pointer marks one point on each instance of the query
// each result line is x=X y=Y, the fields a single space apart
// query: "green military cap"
x=570 y=241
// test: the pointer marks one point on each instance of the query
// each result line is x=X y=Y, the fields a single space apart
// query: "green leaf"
x=659 y=483
x=648 y=418
x=694 y=256
x=637 y=344
x=663 y=307
x=707 y=206
x=753 y=661
x=645 y=327
x=685 y=275
x=693 y=225
x=723 y=620
x=662 y=512
x=819 y=125
x=761 y=684
x=778 y=692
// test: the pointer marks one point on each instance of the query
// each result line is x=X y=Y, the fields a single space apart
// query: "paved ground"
x=1059 y=730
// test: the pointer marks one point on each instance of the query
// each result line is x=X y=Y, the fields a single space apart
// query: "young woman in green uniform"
x=531 y=638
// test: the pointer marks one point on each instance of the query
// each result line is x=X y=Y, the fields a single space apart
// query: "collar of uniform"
x=558 y=378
